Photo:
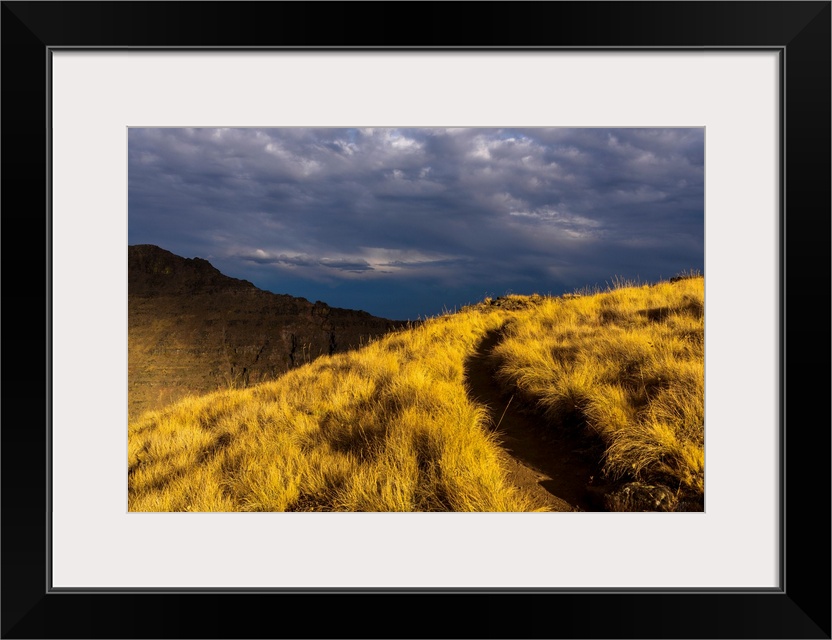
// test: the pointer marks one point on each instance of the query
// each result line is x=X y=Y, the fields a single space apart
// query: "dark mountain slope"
x=193 y=330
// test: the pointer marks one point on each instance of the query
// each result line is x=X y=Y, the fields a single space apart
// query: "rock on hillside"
x=193 y=330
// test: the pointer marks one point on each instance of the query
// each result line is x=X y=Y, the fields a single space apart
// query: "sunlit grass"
x=392 y=427
x=387 y=428
x=625 y=366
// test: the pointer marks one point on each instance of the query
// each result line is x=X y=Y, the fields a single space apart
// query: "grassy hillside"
x=392 y=426
x=625 y=367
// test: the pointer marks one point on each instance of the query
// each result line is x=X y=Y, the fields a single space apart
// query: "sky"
x=411 y=223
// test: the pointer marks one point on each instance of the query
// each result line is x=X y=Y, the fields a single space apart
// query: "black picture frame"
x=800 y=608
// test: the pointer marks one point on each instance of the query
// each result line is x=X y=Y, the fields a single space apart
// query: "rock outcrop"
x=639 y=496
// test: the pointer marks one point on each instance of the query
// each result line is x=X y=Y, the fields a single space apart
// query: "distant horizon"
x=602 y=285
x=409 y=223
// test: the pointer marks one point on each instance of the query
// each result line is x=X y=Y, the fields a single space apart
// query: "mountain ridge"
x=192 y=329
x=153 y=270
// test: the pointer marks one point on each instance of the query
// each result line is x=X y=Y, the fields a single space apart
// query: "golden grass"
x=626 y=366
x=387 y=428
x=391 y=426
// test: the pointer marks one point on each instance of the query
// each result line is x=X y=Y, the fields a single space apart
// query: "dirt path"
x=549 y=468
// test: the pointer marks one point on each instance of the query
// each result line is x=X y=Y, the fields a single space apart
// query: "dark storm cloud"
x=332 y=213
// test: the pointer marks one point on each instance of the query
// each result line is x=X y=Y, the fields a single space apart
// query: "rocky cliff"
x=193 y=330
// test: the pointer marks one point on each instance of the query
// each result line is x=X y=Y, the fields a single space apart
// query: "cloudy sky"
x=404 y=223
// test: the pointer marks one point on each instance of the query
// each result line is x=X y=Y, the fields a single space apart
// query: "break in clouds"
x=404 y=223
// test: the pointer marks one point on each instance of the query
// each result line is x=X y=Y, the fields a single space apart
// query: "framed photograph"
x=95 y=93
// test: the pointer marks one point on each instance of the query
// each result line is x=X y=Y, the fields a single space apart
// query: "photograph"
x=416 y=319
x=363 y=307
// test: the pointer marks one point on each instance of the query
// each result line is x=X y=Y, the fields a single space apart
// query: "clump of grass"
x=626 y=366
